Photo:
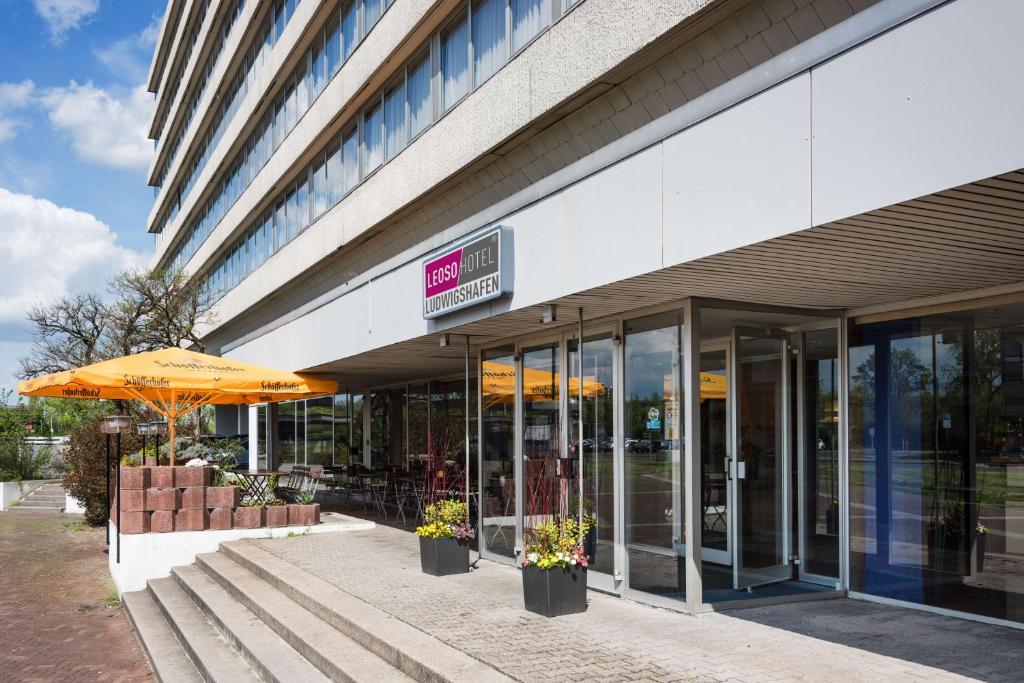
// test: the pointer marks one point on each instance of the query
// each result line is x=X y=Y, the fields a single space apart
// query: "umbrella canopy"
x=175 y=382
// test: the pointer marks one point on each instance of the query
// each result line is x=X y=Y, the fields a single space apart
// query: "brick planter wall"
x=163 y=499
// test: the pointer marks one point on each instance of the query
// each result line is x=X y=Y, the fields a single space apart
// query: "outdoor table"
x=255 y=485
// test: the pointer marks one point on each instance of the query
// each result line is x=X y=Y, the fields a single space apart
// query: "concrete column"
x=254 y=437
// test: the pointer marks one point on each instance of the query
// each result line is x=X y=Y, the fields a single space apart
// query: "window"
x=488 y=39
x=335 y=181
x=454 y=63
x=302 y=83
x=371 y=13
x=302 y=203
x=350 y=159
x=394 y=121
x=421 y=110
x=373 y=152
x=280 y=227
x=292 y=214
x=349 y=27
x=290 y=108
x=527 y=21
x=319 y=186
x=319 y=61
x=279 y=21
x=333 y=47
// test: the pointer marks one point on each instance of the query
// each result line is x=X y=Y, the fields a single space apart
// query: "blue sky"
x=73 y=151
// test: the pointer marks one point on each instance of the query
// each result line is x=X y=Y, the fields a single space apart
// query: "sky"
x=74 y=112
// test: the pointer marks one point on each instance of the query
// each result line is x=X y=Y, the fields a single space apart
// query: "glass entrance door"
x=760 y=470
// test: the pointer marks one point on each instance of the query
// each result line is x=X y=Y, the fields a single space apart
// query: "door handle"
x=737 y=469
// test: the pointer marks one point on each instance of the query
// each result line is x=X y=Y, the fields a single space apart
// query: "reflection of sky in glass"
x=649 y=358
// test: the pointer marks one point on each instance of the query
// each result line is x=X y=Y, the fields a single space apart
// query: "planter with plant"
x=276 y=512
x=249 y=516
x=980 y=537
x=555 y=568
x=303 y=512
x=444 y=538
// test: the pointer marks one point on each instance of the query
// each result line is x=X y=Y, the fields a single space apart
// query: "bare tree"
x=148 y=311
x=174 y=306
x=68 y=333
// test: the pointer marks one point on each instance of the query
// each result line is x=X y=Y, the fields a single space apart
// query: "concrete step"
x=334 y=654
x=406 y=648
x=166 y=655
x=214 y=658
x=269 y=656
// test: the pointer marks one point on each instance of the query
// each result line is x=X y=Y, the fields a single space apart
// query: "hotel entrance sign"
x=477 y=270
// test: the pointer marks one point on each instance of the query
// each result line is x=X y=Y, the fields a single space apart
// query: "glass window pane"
x=394 y=121
x=319 y=62
x=302 y=87
x=373 y=148
x=528 y=18
x=653 y=456
x=454 y=63
x=349 y=26
x=421 y=110
x=497 y=452
x=333 y=47
x=488 y=38
x=320 y=431
x=319 y=187
x=350 y=158
x=280 y=227
x=342 y=430
x=293 y=215
x=335 y=181
x=371 y=13
x=302 y=203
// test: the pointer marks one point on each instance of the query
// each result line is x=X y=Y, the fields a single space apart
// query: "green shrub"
x=86 y=462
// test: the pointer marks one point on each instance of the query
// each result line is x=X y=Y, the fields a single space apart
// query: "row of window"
x=236 y=89
x=335 y=43
x=175 y=80
x=190 y=107
x=478 y=40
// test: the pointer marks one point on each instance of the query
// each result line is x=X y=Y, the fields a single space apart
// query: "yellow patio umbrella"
x=175 y=382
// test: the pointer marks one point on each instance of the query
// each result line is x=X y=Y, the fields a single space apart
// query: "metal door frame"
x=723 y=557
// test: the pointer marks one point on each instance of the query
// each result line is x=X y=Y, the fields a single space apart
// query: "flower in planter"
x=446 y=519
x=556 y=545
x=196 y=462
x=980 y=529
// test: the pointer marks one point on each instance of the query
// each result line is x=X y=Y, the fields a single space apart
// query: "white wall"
x=873 y=126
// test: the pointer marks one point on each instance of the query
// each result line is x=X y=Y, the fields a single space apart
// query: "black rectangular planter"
x=443 y=556
x=555 y=592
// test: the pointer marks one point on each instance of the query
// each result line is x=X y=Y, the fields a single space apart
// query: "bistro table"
x=255 y=486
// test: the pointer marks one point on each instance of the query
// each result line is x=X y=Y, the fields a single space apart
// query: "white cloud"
x=13 y=98
x=50 y=251
x=129 y=57
x=105 y=126
x=64 y=16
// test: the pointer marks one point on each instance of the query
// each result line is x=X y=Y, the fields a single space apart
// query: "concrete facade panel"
x=740 y=177
x=930 y=106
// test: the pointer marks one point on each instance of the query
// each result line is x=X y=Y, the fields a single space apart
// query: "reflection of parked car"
x=1009 y=454
x=639 y=445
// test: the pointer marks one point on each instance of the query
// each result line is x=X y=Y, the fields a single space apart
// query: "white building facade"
x=788 y=234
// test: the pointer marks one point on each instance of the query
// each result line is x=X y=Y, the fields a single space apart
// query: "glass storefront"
x=654 y=509
x=820 y=553
x=937 y=460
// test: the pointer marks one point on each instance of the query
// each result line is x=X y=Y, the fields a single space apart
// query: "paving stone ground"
x=615 y=640
x=59 y=616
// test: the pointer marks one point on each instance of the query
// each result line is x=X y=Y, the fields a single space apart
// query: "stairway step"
x=332 y=652
x=213 y=656
x=418 y=654
x=265 y=651
x=166 y=655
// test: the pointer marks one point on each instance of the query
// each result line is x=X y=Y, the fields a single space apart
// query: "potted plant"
x=276 y=512
x=946 y=541
x=980 y=536
x=555 y=569
x=444 y=538
x=304 y=512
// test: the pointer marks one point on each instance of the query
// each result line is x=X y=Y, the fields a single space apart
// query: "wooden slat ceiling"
x=965 y=238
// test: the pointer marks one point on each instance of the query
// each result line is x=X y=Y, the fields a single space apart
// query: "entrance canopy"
x=175 y=382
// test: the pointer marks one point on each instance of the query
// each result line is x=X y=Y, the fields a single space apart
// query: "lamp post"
x=115 y=424
x=159 y=427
